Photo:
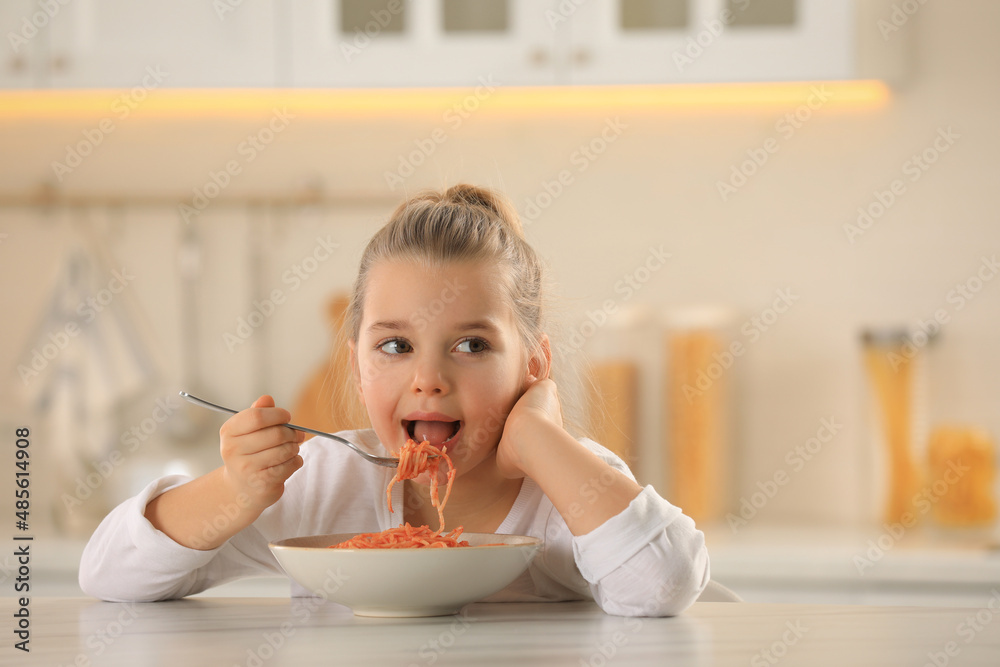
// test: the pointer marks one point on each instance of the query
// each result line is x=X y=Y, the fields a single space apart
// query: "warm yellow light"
x=319 y=103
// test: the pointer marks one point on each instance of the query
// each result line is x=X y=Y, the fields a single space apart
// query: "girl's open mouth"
x=437 y=433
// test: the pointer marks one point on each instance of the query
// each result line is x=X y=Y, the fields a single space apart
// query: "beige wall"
x=656 y=184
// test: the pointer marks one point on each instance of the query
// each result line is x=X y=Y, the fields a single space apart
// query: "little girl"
x=446 y=342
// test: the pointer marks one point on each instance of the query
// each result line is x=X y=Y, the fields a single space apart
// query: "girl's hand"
x=539 y=403
x=259 y=453
x=585 y=490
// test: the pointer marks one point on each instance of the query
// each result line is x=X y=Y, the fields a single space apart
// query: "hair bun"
x=497 y=203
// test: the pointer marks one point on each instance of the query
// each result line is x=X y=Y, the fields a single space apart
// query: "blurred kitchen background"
x=770 y=226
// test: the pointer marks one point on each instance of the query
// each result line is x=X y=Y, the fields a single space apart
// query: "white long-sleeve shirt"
x=649 y=560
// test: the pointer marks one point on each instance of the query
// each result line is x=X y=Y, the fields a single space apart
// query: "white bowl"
x=406 y=582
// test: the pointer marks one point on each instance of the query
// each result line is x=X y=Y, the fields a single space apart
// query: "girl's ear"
x=356 y=369
x=540 y=363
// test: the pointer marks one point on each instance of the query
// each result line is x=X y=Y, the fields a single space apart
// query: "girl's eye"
x=472 y=346
x=395 y=346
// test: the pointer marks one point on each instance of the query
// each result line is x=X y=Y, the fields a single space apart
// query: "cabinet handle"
x=539 y=56
x=18 y=64
x=59 y=64
x=582 y=56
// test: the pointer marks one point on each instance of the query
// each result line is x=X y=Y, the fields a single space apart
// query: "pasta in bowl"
x=408 y=581
x=406 y=570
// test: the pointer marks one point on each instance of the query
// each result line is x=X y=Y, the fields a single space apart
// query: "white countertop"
x=275 y=632
x=855 y=566
x=819 y=551
x=762 y=563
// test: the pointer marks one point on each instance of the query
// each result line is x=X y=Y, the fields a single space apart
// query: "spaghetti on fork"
x=414 y=459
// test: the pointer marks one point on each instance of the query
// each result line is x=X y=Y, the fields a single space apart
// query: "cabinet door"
x=376 y=43
x=118 y=43
x=25 y=29
x=666 y=41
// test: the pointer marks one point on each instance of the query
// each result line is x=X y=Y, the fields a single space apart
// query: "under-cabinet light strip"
x=334 y=103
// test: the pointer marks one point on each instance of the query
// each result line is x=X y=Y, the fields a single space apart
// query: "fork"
x=388 y=462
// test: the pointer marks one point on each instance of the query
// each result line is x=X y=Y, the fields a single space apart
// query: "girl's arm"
x=611 y=519
x=166 y=544
x=259 y=453
x=585 y=490
x=127 y=559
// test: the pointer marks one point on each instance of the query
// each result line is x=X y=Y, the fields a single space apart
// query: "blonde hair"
x=464 y=223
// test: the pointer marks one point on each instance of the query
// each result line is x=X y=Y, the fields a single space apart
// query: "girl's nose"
x=429 y=379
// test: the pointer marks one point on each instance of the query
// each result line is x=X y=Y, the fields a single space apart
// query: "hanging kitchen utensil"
x=258 y=220
x=98 y=364
x=188 y=424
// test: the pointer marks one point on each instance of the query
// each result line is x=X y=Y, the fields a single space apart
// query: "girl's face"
x=438 y=355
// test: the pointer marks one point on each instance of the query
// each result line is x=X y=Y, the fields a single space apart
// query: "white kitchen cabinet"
x=22 y=60
x=424 y=43
x=574 y=41
x=723 y=40
x=119 y=43
x=408 y=43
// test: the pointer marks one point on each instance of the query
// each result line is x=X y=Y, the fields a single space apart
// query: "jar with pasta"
x=621 y=386
x=896 y=366
x=699 y=377
x=937 y=470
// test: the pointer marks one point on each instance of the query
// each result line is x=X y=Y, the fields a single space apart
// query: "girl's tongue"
x=436 y=433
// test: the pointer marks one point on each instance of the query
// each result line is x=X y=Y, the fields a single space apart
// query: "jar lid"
x=895 y=335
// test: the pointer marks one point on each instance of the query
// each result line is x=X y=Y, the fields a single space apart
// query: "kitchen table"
x=253 y=632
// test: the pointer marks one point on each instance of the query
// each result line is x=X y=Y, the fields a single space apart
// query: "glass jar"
x=896 y=367
x=701 y=358
x=622 y=388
